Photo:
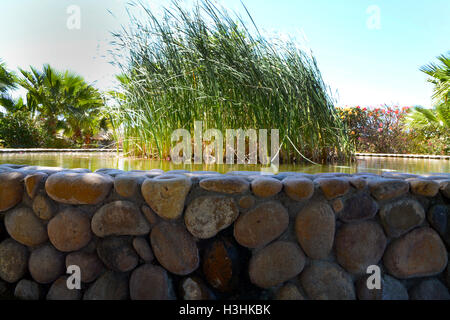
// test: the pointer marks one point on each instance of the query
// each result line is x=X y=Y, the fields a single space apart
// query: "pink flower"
x=380 y=129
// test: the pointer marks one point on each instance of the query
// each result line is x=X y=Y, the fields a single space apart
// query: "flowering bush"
x=376 y=130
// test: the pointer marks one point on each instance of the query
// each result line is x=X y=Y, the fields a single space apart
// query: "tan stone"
x=423 y=187
x=298 y=189
x=333 y=187
x=24 y=227
x=193 y=288
x=166 y=194
x=11 y=189
x=400 y=216
x=266 y=187
x=225 y=184
x=43 y=207
x=246 y=202
x=357 y=182
x=385 y=189
x=33 y=182
x=128 y=184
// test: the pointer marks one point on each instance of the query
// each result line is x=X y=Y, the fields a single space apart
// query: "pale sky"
x=369 y=52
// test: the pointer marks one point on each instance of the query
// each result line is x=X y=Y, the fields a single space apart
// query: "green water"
x=94 y=161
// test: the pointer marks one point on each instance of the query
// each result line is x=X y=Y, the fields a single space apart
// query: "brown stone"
x=289 y=292
x=391 y=289
x=419 y=253
x=298 y=189
x=117 y=253
x=430 y=289
x=359 y=245
x=143 y=249
x=90 y=265
x=174 y=248
x=119 y=218
x=246 y=202
x=323 y=280
x=149 y=282
x=358 y=207
x=338 y=205
x=11 y=189
x=33 y=182
x=357 y=182
x=166 y=194
x=225 y=184
x=276 y=263
x=43 y=207
x=314 y=227
x=46 y=264
x=13 y=260
x=206 y=216
x=444 y=187
x=261 y=225
x=60 y=291
x=193 y=288
x=333 y=187
x=150 y=215
x=128 y=185
x=423 y=187
x=110 y=286
x=78 y=188
x=69 y=230
x=266 y=187
x=24 y=227
x=385 y=189
x=401 y=216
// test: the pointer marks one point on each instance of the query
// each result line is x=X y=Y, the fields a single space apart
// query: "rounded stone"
x=423 y=187
x=430 y=289
x=225 y=184
x=193 y=288
x=206 y=216
x=221 y=265
x=117 y=253
x=266 y=187
x=444 y=187
x=149 y=282
x=119 y=218
x=289 y=292
x=401 y=216
x=439 y=218
x=33 y=182
x=60 y=291
x=246 y=202
x=27 y=290
x=13 y=260
x=261 y=225
x=276 y=263
x=150 y=215
x=326 y=281
x=359 y=245
x=333 y=187
x=69 y=230
x=89 y=263
x=315 y=227
x=110 y=286
x=357 y=182
x=419 y=253
x=385 y=189
x=11 y=189
x=143 y=249
x=128 y=185
x=358 y=207
x=24 y=227
x=78 y=188
x=338 y=205
x=174 y=248
x=166 y=194
x=46 y=264
x=298 y=189
x=391 y=289
x=43 y=207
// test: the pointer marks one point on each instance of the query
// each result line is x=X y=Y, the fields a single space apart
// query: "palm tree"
x=434 y=119
x=440 y=77
x=7 y=82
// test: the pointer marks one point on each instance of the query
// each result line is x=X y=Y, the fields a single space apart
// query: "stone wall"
x=202 y=235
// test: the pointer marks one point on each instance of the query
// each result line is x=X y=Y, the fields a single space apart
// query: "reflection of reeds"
x=204 y=65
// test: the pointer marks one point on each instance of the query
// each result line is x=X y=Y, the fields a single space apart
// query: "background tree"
x=440 y=77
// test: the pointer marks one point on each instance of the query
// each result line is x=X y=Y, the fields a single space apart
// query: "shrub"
x=18 y=130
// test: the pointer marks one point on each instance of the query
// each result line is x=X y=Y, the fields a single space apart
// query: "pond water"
x=94 y=161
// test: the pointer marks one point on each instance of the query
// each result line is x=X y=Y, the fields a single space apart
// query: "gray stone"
x=13 y=260
x=401 y=216
x=143 y=249
x=358 y=207
x=46 y=264
x=60 y=291
x=391 y=289
x=27 y=290
x=385 y=189
x=149 y=282
x=225 y=184
x=439 y=218
x=89 y=263
x=430 y=289
x=110 y=286
x=289 y=292
x=117 y=253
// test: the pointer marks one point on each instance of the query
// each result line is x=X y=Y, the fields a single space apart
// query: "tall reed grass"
x=207 y=65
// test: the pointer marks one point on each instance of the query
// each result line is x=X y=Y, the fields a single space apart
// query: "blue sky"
x=365 y=62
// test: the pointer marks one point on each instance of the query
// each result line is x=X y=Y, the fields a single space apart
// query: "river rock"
x=419 y=253
x=78 y=188
x=323 y=280
x=261 y=225
x=59 y=291
x=430 y=289
x=90 y=265
x=266 y=187
x=246 y=202
x=128 y=185
x=13 y=260
x=439 y=218
x=24 y=227
x=117 y=253
x=359 y=245
x=43 y=207
x=333 y=187
x=193 y=288
x=166 y=194
x=314 y=227
x=119 y=218
x=143 y=249
x=401 y=216
x=206 y=216
x=444 y=187
x=297 y=188
x=150 y=215
x=110 y=286
x=391 y=289
x=276 y=263
x=46 y=264
x=289 y=292
x=149 y=282
x=385 y=189
x=33 y=182
x=225 y=184
x=11 y=189
x=69 y=230
x=357 y=182
x=27 y=290
x=174 y=248
x=423 y=187
x=358 y=208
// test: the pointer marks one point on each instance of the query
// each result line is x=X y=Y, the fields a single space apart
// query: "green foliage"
x=204 y=65
x=19 y=130
x=440 y=77
x=7 y=83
